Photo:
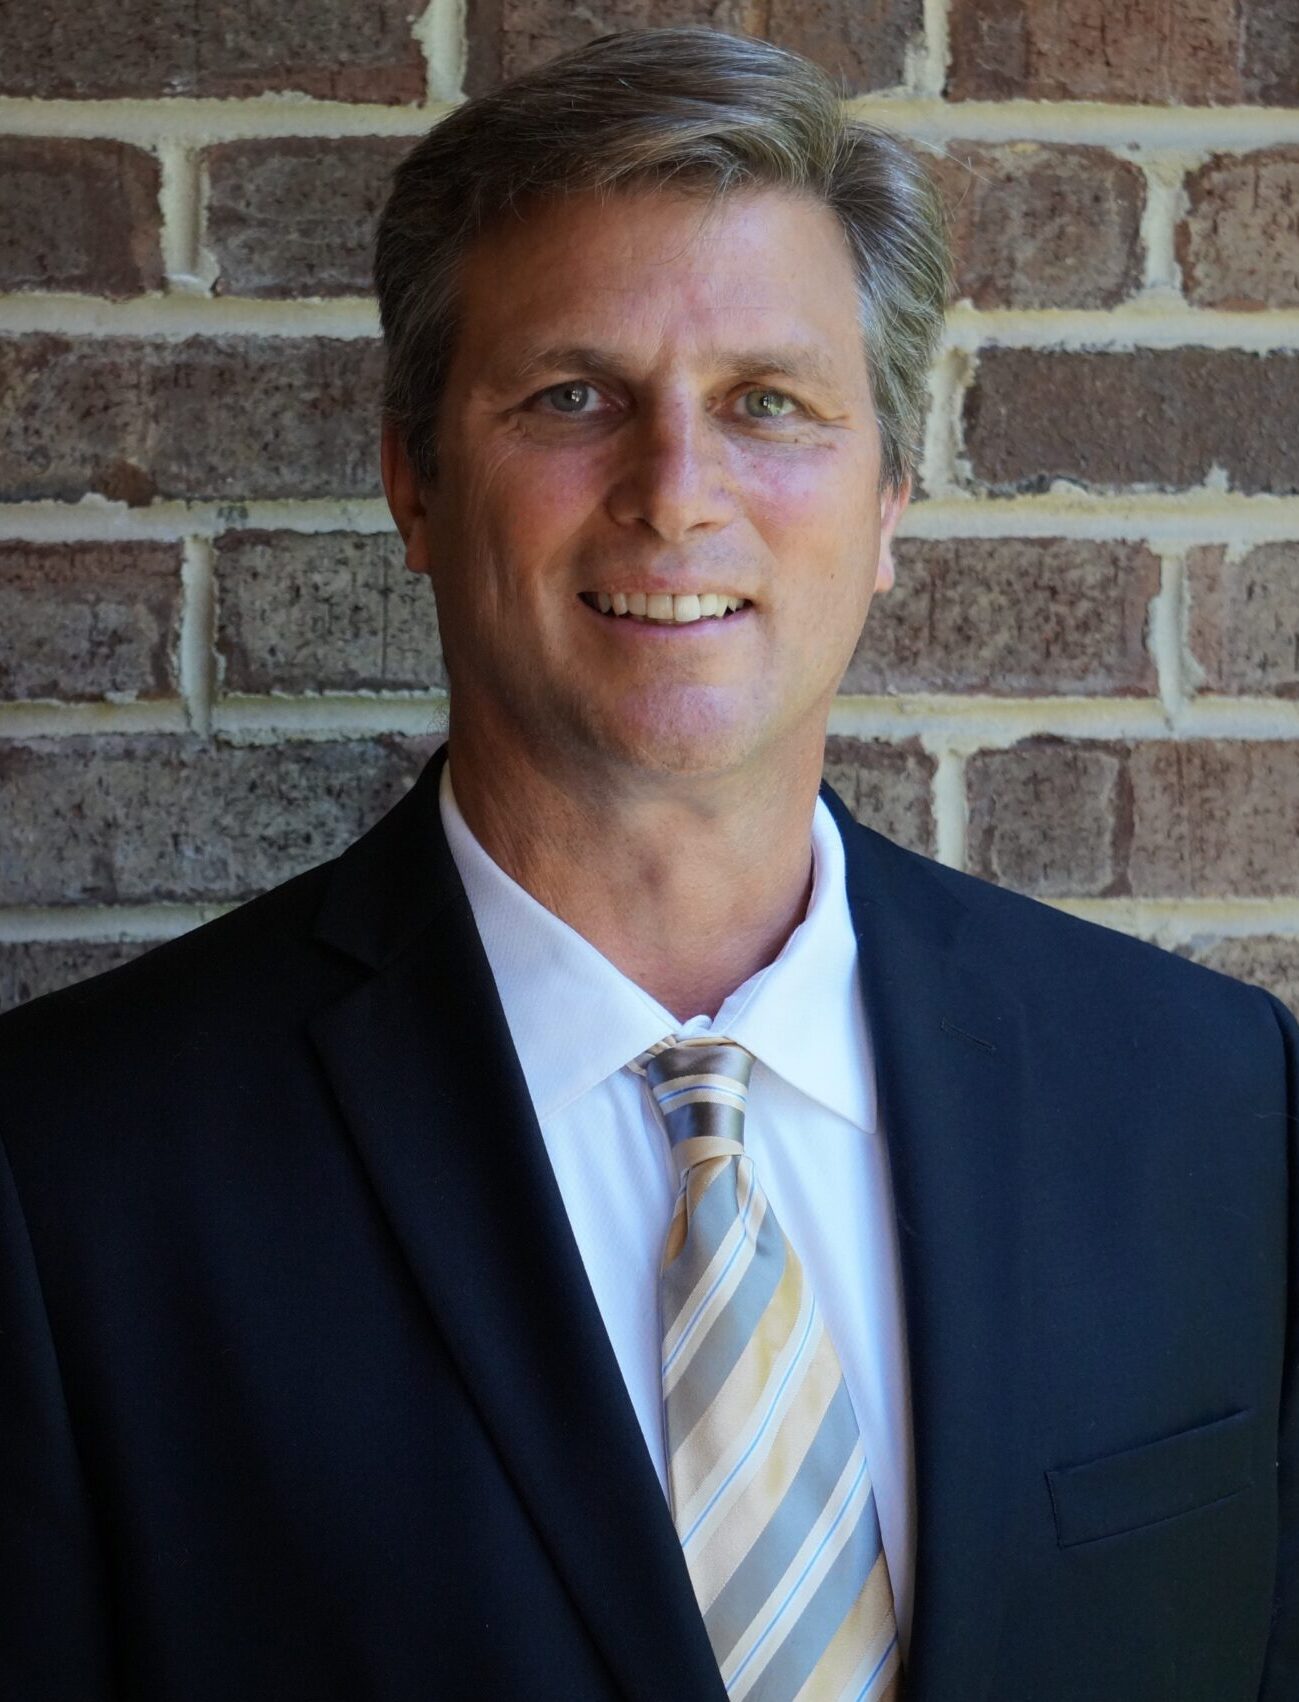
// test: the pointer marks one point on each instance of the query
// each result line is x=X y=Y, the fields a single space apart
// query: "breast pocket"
x=1162 y=1480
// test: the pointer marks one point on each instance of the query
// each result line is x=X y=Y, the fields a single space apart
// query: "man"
x=337 y=1357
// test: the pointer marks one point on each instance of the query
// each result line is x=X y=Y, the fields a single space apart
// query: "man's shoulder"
x=249 y=971
x=1060 y=961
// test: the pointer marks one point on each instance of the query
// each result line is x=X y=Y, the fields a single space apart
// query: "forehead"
x=658 y=270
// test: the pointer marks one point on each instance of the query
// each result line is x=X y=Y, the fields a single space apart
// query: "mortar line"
x=1165 y=633
x=951 y=809
x=179 y=202
x=197 y=655
x=1196 y=515
x=1161 y=276
x=1177 y=920
x=440 y=33
x=1202 y=129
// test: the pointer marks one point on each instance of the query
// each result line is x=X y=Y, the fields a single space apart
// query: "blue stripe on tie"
x=793 y=1590
x=740 y=1244
x=666 y=1095
x=762 y=1429
x=865 y=1689
x=786 y=1530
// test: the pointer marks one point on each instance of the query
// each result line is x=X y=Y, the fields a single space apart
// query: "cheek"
x=530 y=507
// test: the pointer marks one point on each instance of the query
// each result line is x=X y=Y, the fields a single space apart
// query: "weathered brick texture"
x=134 y=819
x=106 y=48
x=78 y=215
x=1157 y=417
x=1043 y=817
x=1189 y=51
x=296 y=217
x=1199 y=818
x=1034 y=225
x=1010 y=617
x=886 y=786
x=1238 y=246
x=134 y=419
x=29 y=968
x=863 y=42
x=84 y=621
x=328 y=611
x=1269 y=960
x=1244 y=619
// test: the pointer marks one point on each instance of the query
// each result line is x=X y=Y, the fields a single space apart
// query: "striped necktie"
x=766 y=1470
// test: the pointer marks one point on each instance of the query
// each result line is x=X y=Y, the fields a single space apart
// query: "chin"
x=696 y=745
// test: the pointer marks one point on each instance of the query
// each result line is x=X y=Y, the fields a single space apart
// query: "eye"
x=568 y=397
x=766 y=398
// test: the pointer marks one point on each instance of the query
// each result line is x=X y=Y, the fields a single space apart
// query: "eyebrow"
x=796 y=361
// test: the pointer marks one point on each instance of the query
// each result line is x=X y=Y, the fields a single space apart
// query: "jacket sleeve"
x=1281 y=1669
x=54 y=1641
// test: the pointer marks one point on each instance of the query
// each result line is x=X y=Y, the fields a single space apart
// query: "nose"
x=673 y=478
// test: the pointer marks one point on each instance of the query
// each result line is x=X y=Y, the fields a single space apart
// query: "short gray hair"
x=689 y=108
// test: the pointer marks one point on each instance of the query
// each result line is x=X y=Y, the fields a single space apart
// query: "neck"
x=688 y=885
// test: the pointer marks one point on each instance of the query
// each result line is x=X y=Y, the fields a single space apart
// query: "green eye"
x=766 y=399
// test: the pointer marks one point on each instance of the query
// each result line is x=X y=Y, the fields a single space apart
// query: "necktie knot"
x=701 y=1087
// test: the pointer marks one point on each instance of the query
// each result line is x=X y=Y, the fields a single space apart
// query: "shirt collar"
x=576 y=1019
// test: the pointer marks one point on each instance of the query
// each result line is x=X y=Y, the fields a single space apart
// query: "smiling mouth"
x=662 y=609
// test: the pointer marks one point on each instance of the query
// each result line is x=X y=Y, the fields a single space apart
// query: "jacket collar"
x=428 y=1081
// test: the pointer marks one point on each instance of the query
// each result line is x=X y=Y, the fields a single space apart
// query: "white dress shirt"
x=811 y=1129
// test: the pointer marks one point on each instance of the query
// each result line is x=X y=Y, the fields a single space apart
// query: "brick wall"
x=214 y=670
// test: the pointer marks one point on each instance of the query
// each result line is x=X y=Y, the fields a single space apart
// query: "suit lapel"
x=425 y=1073
x=947 y=1040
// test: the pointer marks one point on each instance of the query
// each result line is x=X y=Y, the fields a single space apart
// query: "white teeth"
x=662 y=606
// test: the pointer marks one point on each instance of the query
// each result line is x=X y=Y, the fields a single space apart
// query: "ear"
x=893 y=504
x=405 y=499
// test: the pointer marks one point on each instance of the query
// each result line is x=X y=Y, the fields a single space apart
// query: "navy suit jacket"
x=304 y=1395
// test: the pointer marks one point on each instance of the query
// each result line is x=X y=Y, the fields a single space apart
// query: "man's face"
x=652 y=399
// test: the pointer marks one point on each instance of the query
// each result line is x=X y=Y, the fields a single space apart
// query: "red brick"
x=1011 y=617
x=78 y=215
x=1268 y=960
x=1194 y=818
x=886 y=786
x=864 y=42
x=1046 y=817
x=84 y=621
x=297 y=216
x=1157 y=417
x=323 y=611
x=1217 y=818
x=109 y=48
x=1146 y=51
x=210 y=417
x=1244 y=619
x=133 y=819
x=1034 y=225
x=1238 y=245
x=29 y=969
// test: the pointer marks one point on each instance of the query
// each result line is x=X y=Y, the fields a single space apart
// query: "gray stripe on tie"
x=728 y=1335
x=795 y=1660
x=715 y=1213
x=781 y=1538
